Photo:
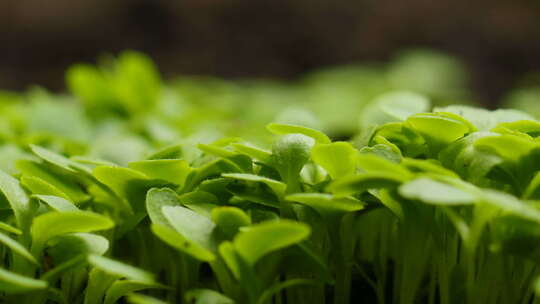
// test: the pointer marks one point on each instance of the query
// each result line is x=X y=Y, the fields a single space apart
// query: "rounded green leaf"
x=171 y=170
x=426 y=166
x=282 y=129
x=529 y=127
x=338 y=158
x=37 y=185
x=55 y=159
x=230 y=219
x=178 y=241
x=252 y=151
x=70 y=246
x=136 y=82
x=466 y=160
x=65 y=184
x=156 y=199
x=88 y=83
x=509 y=147
x=215 y=150
x=169 y=152
x=429 y=125
x=365 y=181
x=57 y=203
x=485 y=120
x=130 y=185
x=393 y=107
x=118 y=178
x=430 y=191
x=123 y=270
x=261 y=239
x=375 y=163
x=52 y=224
x=190 y=224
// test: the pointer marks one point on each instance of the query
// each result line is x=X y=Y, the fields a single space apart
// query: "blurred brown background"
x=498 y=40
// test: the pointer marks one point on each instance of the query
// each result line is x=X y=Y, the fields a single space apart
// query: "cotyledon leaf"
x=63 y=182
x=56 y=203
x=37 y=185
x=121 y=288
x=509 y=147
x=337 y=158
x=431 y=191
x=156 y=199
x=120 y=269
x=282 y=129
x=11 y=282
x=261 y=239
x=276 y=186
x=215 y=150
x=217 y=166
x=375 y=163
x=118 y=177
x=70 y=246
x=485 y=120
x=172 y=170
x=468 y=161
x=190 y=224
x=169 y=152
x=252 y=151
x=181 y=243
x=51 y=224
x=392 y=107
x=427 y=166
x=365 y=181
x=430 y=124
x=18 y=200
x=229 y=219
x=129 y=184
x=56 y=159
x=521 y=127
x=90 y=162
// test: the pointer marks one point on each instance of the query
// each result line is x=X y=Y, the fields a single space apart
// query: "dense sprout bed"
x=212 y=192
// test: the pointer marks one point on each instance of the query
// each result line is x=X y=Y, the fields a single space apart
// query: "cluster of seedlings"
x=116 y=199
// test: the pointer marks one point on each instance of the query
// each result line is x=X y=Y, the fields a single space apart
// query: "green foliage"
x=152 y=192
